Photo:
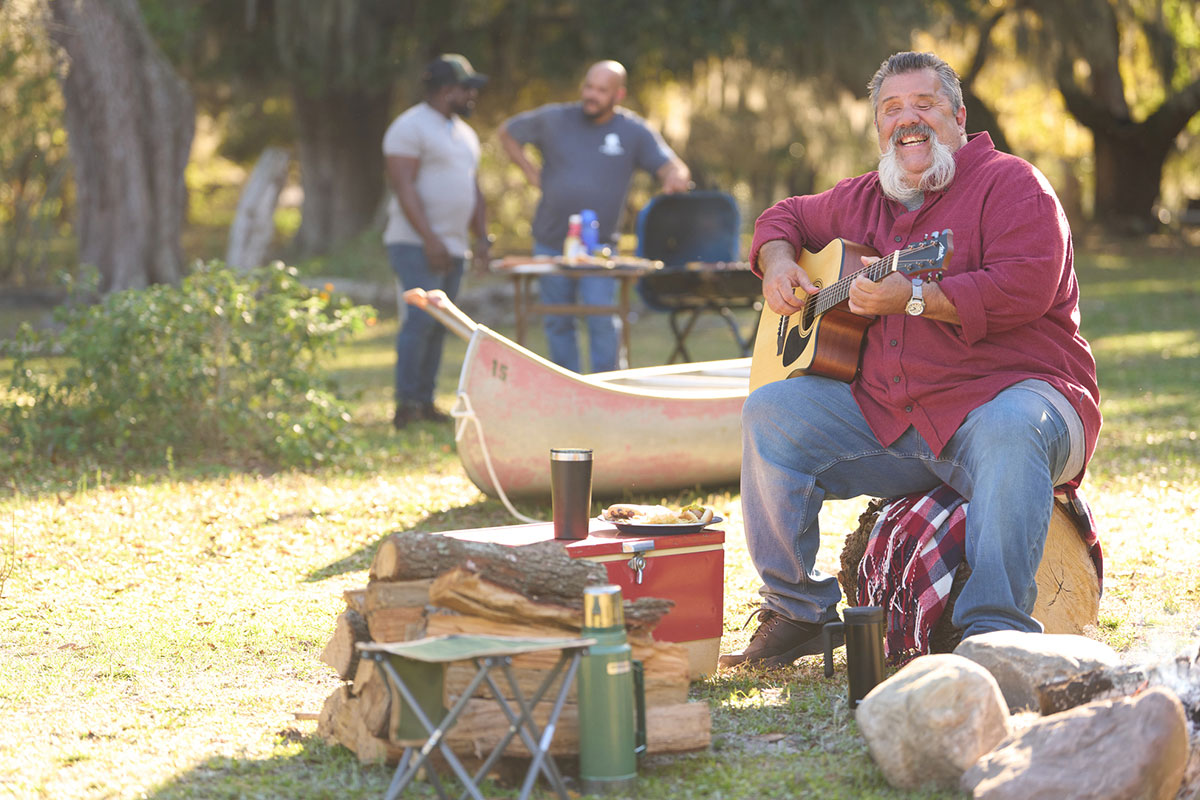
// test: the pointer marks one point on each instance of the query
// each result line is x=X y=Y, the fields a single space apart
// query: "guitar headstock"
x=927 y=258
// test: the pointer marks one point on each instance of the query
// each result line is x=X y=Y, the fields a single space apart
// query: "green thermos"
x=610 y=690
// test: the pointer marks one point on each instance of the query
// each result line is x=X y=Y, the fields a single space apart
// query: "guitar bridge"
x=781 y=335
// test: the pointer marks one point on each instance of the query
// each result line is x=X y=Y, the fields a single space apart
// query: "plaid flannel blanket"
x=916 y=546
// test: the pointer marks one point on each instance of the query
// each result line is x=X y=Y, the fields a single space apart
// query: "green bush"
x=227 y=365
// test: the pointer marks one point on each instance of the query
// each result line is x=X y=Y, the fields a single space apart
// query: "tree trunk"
x=254 y=223
x=130 y=120
x=341 y=164
x=1129 y=155
x=1129 y=165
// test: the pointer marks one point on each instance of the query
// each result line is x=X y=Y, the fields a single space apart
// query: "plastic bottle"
x=573 y=244
x=590 y=233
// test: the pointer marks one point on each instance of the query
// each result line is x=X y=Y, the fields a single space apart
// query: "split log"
x=667 y=659
x=470 y=593
x=661 y=689
x=669 y=729
x=341 y=722
x=374 y=699
x=356 y=599
x=542 y=571
x=1102 y=683
x=395 y=612
x=340 y=653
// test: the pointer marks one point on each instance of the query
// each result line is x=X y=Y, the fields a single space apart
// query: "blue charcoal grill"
x=695 y=235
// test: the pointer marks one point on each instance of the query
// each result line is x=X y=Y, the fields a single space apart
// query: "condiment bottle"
x=573 y=244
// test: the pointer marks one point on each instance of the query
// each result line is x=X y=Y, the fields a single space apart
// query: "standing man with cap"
x=432 y=157
x=589 y=151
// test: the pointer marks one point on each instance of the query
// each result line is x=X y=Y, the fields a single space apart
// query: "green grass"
x=159 y=631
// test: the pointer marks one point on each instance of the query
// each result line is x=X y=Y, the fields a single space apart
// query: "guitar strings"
x=838 y=291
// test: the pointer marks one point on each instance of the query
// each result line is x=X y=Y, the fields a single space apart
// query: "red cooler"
x=686 y=568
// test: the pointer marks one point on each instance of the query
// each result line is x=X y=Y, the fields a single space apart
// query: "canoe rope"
x=464 y=412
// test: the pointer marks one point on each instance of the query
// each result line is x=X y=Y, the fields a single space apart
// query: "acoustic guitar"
x=825 y=337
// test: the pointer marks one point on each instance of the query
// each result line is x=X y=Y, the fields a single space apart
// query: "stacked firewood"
x=429 y=585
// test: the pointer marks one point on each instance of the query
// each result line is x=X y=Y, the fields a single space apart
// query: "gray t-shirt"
x=448 y=151
x=585 y=165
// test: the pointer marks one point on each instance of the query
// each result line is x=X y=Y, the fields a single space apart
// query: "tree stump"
x=1068 y=587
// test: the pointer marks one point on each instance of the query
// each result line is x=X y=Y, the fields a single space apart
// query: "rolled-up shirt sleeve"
x=803 y=222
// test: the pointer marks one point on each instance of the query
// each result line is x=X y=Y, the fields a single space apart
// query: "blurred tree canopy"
x=762 y=99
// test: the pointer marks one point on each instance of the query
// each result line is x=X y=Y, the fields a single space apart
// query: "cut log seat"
x=1067 y=584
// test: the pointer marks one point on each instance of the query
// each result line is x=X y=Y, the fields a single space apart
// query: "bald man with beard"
x=589 y=151
x=981 y=382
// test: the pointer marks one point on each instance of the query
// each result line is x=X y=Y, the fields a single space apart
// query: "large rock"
x=1020 y=662
x=1107 y=750
x=932 y=720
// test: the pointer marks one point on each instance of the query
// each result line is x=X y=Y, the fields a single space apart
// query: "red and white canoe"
x=650 y=429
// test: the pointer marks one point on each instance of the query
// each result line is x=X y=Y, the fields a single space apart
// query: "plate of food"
x=647 y=520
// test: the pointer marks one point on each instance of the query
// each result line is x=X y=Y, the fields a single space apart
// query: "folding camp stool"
x=415 y=676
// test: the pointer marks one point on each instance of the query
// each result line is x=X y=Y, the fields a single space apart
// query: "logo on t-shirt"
x=612 y=145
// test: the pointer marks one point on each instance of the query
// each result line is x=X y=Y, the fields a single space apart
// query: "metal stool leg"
x=543 y=750
x=436 y=734
x=526 y=713
x=538 y=743
x=681 y=335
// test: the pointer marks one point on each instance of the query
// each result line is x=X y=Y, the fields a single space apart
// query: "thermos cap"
x=570 y=454
x=602 y=607
x=863 y=614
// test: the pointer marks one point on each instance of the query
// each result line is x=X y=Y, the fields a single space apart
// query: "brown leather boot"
x=779 y=641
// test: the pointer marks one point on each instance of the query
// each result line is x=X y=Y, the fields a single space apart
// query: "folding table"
x=524 y=271
x=415 y=674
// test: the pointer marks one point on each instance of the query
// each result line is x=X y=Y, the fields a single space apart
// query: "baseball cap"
x=451 y=68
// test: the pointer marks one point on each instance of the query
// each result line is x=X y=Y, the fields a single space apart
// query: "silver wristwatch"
x=916 y=305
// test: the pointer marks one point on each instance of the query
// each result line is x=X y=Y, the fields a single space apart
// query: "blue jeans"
x=804 y=439
x=560 y=328
x=419 y=342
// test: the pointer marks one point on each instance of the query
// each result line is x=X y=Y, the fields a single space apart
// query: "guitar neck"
x=839 y=290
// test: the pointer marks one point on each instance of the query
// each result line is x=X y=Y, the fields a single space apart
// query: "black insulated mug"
x=571 y=491
x=863 y=629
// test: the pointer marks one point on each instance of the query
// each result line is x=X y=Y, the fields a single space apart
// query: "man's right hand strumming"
x=782 y=276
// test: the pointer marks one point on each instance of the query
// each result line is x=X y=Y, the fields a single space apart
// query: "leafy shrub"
x=225 y=365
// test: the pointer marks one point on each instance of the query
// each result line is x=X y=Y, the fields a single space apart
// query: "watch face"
x=915 y=307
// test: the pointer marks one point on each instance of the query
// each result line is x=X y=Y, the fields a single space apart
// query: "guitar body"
x=802 y=344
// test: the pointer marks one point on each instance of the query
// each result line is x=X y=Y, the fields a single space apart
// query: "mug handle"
x=827 y=640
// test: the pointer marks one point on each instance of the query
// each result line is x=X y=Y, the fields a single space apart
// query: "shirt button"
x=908 y=409
x=894 y=343
x=898 y=239
x=896 y=379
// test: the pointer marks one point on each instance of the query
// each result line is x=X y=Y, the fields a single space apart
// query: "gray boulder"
x=1128 y=749
x=1020 y=662
x=932 y=720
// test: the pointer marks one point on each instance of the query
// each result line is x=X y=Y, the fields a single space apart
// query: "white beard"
x=937 y=177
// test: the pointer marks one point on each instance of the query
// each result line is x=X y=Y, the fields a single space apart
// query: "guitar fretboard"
x=839 y=291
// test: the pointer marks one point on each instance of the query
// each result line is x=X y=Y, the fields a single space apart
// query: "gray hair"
x=901 y=63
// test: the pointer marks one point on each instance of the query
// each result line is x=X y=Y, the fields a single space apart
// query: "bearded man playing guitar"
x=980 y=381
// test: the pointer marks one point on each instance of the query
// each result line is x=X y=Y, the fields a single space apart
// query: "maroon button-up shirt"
x=1011 y=278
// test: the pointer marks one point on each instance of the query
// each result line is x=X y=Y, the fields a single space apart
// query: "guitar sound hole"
x=807 y=316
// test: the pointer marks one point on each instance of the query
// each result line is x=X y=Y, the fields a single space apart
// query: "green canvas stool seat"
x=416 y=675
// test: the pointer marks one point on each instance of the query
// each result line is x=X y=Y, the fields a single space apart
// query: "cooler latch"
x=638 y=562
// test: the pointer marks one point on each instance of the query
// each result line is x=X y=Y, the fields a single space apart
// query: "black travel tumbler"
x=571 y=491
x=863 y=628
